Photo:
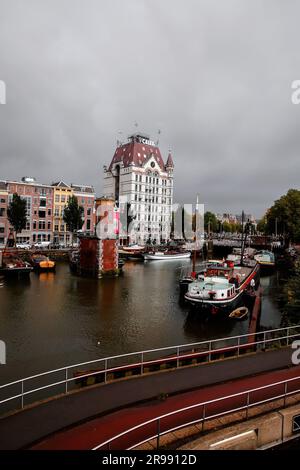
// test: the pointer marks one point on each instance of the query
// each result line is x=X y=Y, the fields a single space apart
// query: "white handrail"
x=180 y=353
x=166 y=348
x=205 y=403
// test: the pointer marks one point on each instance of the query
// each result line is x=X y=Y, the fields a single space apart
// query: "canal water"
x=57 y=319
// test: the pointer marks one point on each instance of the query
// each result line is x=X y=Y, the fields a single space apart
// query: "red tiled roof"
x=137 y=154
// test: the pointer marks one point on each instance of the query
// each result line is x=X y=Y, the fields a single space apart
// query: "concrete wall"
x=264 y=431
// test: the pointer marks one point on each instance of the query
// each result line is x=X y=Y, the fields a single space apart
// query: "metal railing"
x=242 y=399
x=16 y=395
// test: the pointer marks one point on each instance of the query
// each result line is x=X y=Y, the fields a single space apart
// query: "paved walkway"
x=92 y=433
x=31 y=425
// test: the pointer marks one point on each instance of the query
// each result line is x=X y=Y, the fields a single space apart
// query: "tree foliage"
x=262 y=225
x=285 y=213
x=73 y=215
x=210 y=219
x=16 y=213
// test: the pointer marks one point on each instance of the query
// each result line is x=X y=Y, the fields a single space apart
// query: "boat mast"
x=195 y=240
x=243 y=241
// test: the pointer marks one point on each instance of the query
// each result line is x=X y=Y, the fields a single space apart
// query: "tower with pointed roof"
x=138 y=175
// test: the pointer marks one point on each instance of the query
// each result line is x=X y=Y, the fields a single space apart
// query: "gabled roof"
x=61 y=184
x=136 y=154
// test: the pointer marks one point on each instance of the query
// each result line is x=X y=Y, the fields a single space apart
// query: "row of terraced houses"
x=45 y=209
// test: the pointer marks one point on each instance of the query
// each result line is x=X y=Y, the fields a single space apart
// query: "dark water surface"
x=53 y=320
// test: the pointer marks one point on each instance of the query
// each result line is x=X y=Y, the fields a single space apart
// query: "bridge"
x=128 y=400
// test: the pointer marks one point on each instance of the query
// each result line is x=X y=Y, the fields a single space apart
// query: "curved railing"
x=17 y=394
x=156 y=427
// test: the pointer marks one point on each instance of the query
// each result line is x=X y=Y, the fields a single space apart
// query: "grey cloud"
x=214 y=76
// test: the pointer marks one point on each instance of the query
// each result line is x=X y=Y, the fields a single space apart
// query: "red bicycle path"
x=90 y=434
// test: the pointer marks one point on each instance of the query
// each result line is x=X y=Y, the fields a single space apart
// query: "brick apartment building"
x=39 y=209
x=44 y=207
x=3 y=213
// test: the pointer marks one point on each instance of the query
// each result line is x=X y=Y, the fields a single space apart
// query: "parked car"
x=54 y=246
x=41 y=245
x=23 y=246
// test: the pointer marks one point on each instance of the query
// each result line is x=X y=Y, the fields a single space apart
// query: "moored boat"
x=266 y=260
x=14 y=266
x=236 y=254
x=42 y=263
x=133 y=248
x=239 y=313
x=222 y=287
x=166 y=255
x=133 y=252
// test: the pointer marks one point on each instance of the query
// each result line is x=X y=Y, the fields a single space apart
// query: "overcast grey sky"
x=214 y=76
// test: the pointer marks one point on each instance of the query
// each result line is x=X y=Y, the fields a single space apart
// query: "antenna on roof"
x=119 y=141
x=158 y=132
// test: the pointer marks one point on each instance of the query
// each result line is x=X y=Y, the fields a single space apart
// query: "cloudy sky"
x=214 y=76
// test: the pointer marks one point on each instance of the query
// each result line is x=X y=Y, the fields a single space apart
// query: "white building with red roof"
x=138 y=175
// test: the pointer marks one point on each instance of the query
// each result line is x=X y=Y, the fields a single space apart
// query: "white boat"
x=236 y=254
x=222 y=286
x=166 y=255
x=265 y=258
x=132 y=252
x=131 y=248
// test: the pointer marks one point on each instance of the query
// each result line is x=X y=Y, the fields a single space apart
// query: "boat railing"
x=27 y=391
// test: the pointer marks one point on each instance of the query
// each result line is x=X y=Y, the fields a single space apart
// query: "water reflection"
x=46 y=277
x=55 y=319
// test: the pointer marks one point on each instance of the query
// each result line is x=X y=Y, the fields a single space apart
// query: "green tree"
x=211 y=219
x=284 y=216
x=239 y=228
x=73 y=215
x=262 y=225
x=226 y=227
x=16 y=213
